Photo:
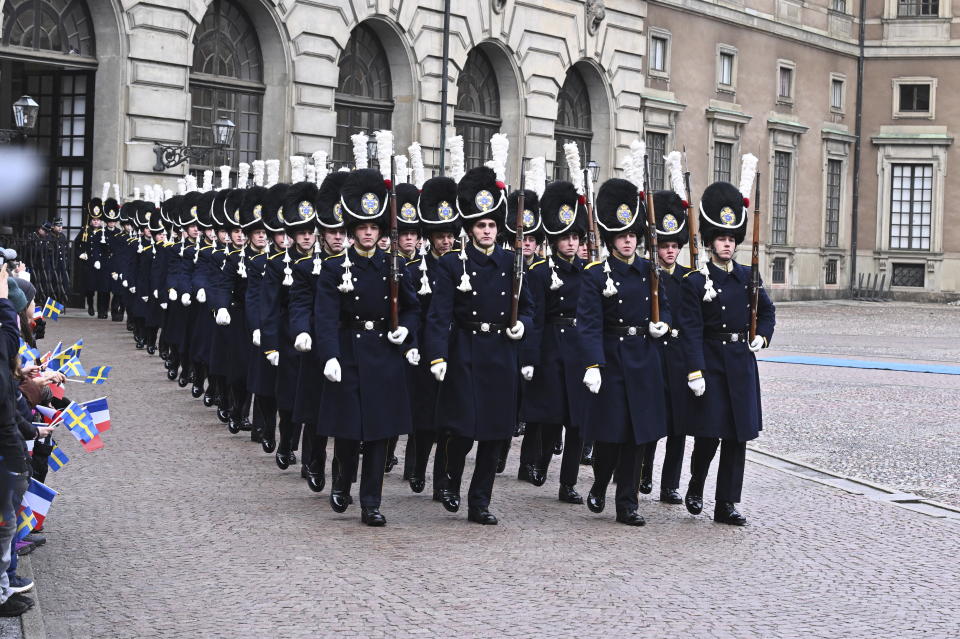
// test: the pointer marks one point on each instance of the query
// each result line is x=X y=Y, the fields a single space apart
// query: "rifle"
x=593 y=249
x=755 y=262
x=691 y=224
x=652 y=244
x=394 y=251
x=518 y=263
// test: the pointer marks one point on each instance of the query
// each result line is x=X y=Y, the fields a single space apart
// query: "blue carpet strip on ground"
x=942 y=369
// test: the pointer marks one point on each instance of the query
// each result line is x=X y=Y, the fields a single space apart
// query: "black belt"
x=625 y=330
x=562 y=321
x=365 y=325
x=726 y=337
x=483 y=327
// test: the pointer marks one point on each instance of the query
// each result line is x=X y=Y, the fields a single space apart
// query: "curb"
x=876 y=492
x=32 y=620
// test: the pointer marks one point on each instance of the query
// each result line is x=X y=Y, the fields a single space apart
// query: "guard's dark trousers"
x=625 y=459
x=346 y=456
x=733 y=455
x=484 y=472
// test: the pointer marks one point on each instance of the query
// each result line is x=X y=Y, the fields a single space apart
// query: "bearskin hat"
x=480 y=195
x=619 y=209
x=299 y=207
x=363 y=198
x=671 y=214
x=437 y=206
x=563 y=210
x=722 y=212
x=329 y=209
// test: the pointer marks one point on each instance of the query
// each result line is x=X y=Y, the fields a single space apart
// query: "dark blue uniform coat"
x=674 y=361
x=306 y=406
x=371 y=402
x=730 y=407
x=478 y=397
x=631 y=406
x=275 y=327
x=261 y=376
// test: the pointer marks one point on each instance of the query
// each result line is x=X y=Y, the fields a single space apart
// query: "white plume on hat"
x=638 y=150
x=167 y=194
x=537 y=175
x=360 y=160
x=310 y=173
x=571 y=151
x=748 y=171
x=191 y=183
x=499 y=150
x=417 y=174
x=224 y=177
x=207 y=180
x=320 y=166
x=136 y=193
x=157 y=194
x=297 y=163
x=674 y=160
x=259 y=167
x=273 y=172
x=116 y=191
x=181 y=186
x=106 y=191
x=457 y=168
x=384 y=151
x=629 y=171
x=400 y=167
x=243 y=173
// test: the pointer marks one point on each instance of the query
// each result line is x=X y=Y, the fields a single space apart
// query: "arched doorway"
x=48 y=51
x=364 y=97
x=226 y=81
x=477 y=116
x=573 y=122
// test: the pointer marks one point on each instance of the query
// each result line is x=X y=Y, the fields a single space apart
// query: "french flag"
x=39 y=497
x=99 y=412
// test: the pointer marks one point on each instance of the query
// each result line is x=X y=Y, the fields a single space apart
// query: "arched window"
x=226 y=81
x=364 y=98
x=478 y=107
x=64 y=130
x=49 y=25
x=573 y=122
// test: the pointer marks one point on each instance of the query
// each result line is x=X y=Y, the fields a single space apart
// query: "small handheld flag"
x=26 y=522
x=38 y=499
x=98 y=374
x=57 y=459
x=52 y=309
x=73 y=368
x=27 y=354
x=79 y=423
x=37 y=312
x=99 y=413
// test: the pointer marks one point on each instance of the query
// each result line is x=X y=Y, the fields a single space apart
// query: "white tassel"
x=400 y=168
x=457 y=167
x=709 y=292
x=297 y=163
x=417 y=174
x=571 y=151
x=464 y=285
x=196 y=249
x=320 y=166
x=287 y=271
x=384 y=151
x=499 y=149
x=242 y=267
x=346 y=280
x=224 y=177
x=310 y=173
x=638 y=149
x=677 y=183
x=610 y=289
x=191 y=183
x=748 y=171
x=181 y=186
x=317 y=260
x=243 y=175
x=207 y=180
x=360 y=160
x=555 y=281
x=105 y=193
x=116 y=191
x=537 y=175
x=273 y=172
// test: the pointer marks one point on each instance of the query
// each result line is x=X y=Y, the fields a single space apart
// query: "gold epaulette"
x=686 y=275
x=305 y=257
x=416 y=261
x=530 y=268
x=234 y=252
x=276 y=255
x=204 y=248
x=591 y=265
x=330 y=257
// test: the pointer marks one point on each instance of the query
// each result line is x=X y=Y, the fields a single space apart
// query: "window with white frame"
x=918 y=8
x=837 y=86
x=911 y=206
x=782 y=161
x=785 y=73
x=659 y=46
x=726 y=68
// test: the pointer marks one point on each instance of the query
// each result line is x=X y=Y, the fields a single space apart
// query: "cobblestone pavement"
x=179 y=529
x=894 y=428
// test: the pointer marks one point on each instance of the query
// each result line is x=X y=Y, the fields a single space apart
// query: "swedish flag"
x=57 y=459
x=73 y=368
x=27 y=354
x=79 y=422
x=52 y=309
x=98 y=374
x=26 y=522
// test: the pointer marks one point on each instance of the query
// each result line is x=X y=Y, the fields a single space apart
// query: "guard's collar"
x=483 y=251
x=363 y=253
x=727 y=267
x=630 y=260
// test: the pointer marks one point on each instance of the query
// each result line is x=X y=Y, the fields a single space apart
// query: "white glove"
x=527 y=372
x=156 y=294
x=674 y=333
x=658 y=329
x=145 y=298
x=256 y=337
x=96 y=265
x=83 y=256
x=125 y=283
x=303 y=343
x=413 y=357
x=133 y=289
x=698 y=386
x=185 y=299
x=756 y=344
x=173 y=295
x=592 y=379
x=439 y=370
x=201 y=296
x=223 y=317
x=331 y=370
x=163 y=305
x=273 y=358
x=397 y=336
x=113 y=276
x=515 y=331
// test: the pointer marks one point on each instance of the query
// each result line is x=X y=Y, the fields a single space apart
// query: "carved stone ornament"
x=595 y=15
x=498 y=5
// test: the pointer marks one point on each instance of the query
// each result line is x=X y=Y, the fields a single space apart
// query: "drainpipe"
x=858 y=134
x=444 y=82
